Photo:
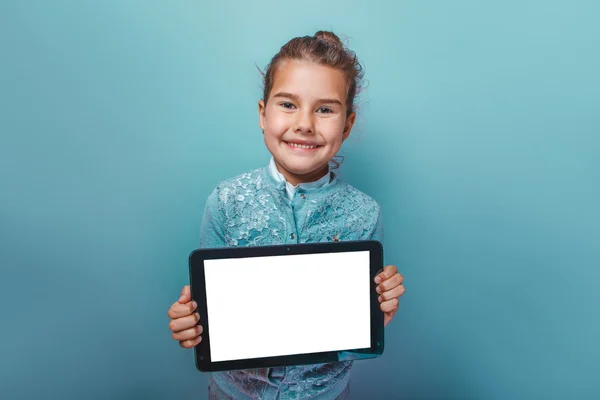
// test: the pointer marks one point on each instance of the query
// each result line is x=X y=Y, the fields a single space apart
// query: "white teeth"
x=302 y=146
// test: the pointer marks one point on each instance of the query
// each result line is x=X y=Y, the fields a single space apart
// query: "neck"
x=296 y=179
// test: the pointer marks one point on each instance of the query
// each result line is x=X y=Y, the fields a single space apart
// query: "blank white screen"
x=285 y=305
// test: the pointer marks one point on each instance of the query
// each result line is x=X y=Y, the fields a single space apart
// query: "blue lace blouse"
x=257 y=208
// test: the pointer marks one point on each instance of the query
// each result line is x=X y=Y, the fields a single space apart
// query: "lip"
x=302 y=142
x=305 y=142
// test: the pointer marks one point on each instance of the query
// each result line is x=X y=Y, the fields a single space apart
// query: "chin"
x=299 y=162
x=300 y=168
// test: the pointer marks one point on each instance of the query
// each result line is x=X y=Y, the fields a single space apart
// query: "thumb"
x=185 y=295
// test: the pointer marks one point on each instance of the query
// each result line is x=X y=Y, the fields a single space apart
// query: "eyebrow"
x=294 y=97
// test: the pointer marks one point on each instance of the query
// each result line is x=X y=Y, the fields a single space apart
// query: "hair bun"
x=329 y=37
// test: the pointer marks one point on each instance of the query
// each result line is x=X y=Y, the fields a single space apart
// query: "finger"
x=387 y=273
x=180 y=324
x=179 y=310
x=188 y=334
x=390 y=283
x=188 y=344
x=185 y=295
x=390 y=305
x=392 y=294
x=388 y=316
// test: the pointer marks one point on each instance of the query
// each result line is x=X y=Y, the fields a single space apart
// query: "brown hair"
x=324 y=48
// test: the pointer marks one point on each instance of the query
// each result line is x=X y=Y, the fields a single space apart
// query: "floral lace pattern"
x=345 y=215
x=254 y=213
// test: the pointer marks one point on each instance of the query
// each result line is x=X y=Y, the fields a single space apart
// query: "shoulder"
x=351 y=213
x=356 y=195
x=238 y=186
x=357 y=200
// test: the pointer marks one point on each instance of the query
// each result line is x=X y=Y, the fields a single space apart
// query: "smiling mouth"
x=302 y=146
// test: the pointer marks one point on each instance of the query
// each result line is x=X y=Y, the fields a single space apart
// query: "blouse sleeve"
x=212 y=233
x=378 y=230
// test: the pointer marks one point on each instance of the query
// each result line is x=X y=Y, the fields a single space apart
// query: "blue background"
x=478 y=135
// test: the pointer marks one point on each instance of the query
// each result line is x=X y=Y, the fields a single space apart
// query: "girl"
x=306 y=113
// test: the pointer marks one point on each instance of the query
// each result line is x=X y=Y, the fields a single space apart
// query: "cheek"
x=332 y=130
x=277 y=123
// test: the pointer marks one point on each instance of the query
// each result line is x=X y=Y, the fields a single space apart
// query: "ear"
x=261 y=114
x=350 y=119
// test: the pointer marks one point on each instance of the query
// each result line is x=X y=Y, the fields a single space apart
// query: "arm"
x=183 y=313
x=212 y=233
x=389 y=282
x=377 y=233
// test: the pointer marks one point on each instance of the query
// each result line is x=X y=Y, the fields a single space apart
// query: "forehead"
x=309 y=80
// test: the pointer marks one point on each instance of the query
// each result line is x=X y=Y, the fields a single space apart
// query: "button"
x=293 y=236
x=276 y=375
x=303 y=196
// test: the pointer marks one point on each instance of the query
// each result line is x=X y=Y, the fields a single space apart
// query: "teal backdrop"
x=478 y=134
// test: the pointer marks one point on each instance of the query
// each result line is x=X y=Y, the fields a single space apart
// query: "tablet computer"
x=283 y=305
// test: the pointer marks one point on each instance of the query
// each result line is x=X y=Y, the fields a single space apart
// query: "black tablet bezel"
x=198 y=294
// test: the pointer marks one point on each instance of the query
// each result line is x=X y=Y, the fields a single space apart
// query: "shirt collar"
x=291 y=189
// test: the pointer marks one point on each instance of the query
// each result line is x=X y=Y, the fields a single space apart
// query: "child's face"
x=304 y=120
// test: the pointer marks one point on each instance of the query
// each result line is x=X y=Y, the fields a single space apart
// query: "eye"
x=287 y=105
x=324 y=110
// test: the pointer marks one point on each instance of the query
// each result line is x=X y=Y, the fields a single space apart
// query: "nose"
x=304 y=123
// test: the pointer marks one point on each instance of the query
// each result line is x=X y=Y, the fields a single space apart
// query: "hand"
x=184 y=320
x=390 y=288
